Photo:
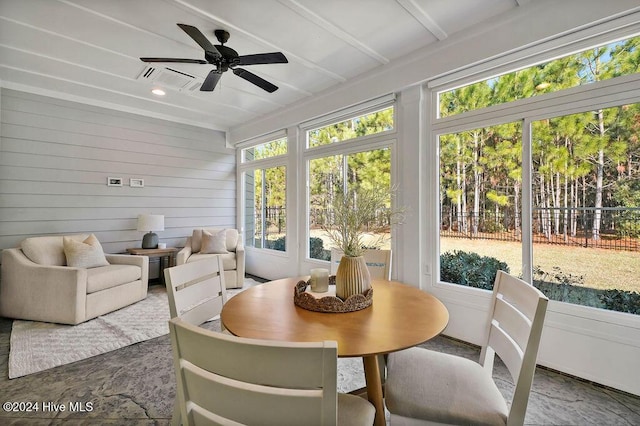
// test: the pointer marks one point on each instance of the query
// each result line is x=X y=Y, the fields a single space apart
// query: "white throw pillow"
x=84 y=254
x=215 y=243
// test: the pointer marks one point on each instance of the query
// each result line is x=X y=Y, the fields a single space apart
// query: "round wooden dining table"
x=400 y=317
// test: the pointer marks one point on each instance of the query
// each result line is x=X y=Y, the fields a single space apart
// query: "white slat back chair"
x=196 y=293
x=196 y=290
x=518 y=311
x=265 y=382
x=378 y=262
x=425 y=386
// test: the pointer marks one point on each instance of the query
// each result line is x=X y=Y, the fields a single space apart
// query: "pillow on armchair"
x=214 y=243
x=84 y=254
x=196 y=238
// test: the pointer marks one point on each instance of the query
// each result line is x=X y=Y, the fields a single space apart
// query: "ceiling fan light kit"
x=224 y=58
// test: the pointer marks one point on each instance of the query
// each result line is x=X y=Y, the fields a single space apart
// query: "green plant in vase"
x=354 y=222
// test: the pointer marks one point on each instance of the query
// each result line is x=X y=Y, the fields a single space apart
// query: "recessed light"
x=158 y=92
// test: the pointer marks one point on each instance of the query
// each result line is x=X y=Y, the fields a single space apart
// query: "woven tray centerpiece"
x=331 y=303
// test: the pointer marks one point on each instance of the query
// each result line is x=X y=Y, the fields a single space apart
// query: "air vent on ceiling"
x=170 y=78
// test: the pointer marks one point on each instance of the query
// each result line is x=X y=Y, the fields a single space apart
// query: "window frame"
x=602 y=94
x=352 y=117
x=243 y=157
x=262 y=164
x=349 y=114
x=261 y=140
x=536 y=54
x=385 y=139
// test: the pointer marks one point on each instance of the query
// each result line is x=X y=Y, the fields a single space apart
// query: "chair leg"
x=382 y=364
x=175 y=418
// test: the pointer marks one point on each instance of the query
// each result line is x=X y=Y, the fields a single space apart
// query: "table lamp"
x=149 y=223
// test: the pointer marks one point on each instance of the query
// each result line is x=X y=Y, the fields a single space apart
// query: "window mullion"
x=345 y=177
x=526 y=211
x=263 y=210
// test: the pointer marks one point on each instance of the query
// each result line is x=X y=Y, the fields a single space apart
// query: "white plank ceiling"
x=89 y=50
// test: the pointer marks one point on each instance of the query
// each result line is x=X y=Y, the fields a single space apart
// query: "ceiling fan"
x=225 y=58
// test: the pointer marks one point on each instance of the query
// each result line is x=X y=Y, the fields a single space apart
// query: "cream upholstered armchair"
x=207 y=243
x=68 y=280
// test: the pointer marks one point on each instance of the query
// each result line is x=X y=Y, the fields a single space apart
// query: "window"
x=347 y=156
x=600 y=63
x=265 y=218
x=265 y=150
x=368 y=124
x=344 y=173
x=264 y=176
x=480 y=204
x=553 y=197
x=586 y=208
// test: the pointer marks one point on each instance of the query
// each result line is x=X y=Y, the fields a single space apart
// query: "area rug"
x=36 y=346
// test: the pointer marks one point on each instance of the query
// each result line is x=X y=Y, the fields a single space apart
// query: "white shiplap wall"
x=56 y=155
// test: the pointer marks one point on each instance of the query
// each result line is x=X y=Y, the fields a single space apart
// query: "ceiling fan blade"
x=182 y=60
x=258 y=81
x=210 y=82
x=263 y=58
x=199 y=38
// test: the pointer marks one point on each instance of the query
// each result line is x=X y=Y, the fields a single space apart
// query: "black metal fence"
x=615 y=228
x=608 y=227
x=274 y=222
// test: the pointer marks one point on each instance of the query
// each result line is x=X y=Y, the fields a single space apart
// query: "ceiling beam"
x=423 y=17
x=333 y=29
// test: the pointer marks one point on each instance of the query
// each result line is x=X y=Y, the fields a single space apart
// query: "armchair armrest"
x=41 y=292
x=125 y=259
x=240 y=261
x=184 y=253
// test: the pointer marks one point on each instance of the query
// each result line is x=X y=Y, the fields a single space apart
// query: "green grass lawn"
x=601 y=268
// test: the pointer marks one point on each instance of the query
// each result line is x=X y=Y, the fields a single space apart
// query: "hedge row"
x=473 y=270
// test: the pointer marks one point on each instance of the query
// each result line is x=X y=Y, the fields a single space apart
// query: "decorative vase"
x=352 y=277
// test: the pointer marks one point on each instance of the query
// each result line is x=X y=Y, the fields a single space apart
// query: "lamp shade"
x=150 y=222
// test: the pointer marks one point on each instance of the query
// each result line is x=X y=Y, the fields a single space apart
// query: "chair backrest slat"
x=523 y=296
x=200 y=416
x=514 y=323
x=378 y=262
x=305 y=360
x=282 y=382
x=196 y=290
x=228 y=398
x=204 y=311
x=507 y=349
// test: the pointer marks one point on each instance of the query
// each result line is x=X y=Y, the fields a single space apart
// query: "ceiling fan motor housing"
x=222 y=63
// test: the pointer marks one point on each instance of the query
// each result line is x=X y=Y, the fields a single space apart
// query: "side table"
x=168 y=253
